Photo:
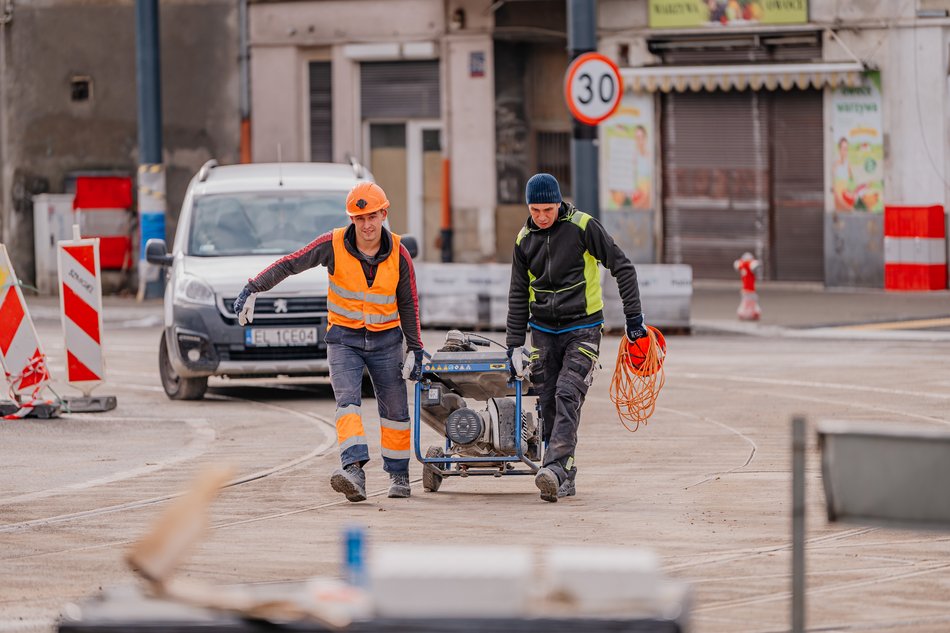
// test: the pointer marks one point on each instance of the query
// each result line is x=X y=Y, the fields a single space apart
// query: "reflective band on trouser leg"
x=395 y=440
x=349 y=434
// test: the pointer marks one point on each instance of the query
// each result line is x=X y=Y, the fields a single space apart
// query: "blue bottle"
x=354 y=562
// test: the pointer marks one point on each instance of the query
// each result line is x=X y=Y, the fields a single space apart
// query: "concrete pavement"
x=705 y=485
x=812 y=311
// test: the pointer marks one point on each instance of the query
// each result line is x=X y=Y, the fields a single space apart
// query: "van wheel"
x=176 y=387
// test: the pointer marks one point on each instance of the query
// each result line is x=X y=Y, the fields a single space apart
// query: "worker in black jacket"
x=555 y=291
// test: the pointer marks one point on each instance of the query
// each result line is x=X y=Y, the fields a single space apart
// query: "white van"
x=235 y=221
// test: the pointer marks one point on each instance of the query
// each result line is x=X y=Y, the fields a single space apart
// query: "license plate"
x=280 y=336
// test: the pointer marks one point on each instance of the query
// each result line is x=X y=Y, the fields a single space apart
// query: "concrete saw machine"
x=468 y=396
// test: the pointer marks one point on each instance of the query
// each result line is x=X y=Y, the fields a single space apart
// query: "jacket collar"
x=385 y=245
x=564 y=212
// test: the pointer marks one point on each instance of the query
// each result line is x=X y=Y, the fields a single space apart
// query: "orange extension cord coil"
x=638 y=378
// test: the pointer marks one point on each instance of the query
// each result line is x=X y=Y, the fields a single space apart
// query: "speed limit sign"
x=592 y=88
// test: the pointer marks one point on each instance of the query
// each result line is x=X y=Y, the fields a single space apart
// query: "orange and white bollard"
x=749 y=310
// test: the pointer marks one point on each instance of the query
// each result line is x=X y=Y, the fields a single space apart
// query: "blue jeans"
x=349 y=351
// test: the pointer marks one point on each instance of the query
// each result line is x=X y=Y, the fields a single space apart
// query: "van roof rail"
x=358 y=170
x=205 y=170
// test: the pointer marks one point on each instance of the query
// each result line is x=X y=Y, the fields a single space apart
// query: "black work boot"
x=547 y=482
x=399 y=488
x=351 y=481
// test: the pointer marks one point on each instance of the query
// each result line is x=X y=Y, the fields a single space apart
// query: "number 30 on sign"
x=592 y=88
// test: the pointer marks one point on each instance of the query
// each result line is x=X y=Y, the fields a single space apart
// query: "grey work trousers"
x=562 y=372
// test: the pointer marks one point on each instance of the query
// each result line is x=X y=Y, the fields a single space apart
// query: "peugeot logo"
x=280 y=306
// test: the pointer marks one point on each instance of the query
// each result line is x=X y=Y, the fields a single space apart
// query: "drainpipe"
x=151 y=176
x=445 y=227
x=446 y=232
x=245 y=97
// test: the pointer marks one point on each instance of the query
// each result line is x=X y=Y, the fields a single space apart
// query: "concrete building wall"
x=346 y=106
x=471 y=134
x=276 y=96
x=285 y=36
x=344 y=21
x=46 y=135
x=281 y=34
x=858 y=11
x=912 y=57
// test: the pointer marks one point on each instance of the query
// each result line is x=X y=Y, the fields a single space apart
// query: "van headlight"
x=189 y=289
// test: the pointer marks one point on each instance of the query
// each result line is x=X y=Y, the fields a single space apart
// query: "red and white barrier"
x=103 y=208
x=81 y=313
x=24 y=363
x=915 y=243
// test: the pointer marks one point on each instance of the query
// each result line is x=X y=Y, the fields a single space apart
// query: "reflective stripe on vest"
x=350 y=301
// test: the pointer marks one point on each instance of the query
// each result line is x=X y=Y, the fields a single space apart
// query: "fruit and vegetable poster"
x=857 y=171
x=720 y=13
x=627 y=142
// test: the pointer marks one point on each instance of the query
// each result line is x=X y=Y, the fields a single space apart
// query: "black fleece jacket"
x=551 y=262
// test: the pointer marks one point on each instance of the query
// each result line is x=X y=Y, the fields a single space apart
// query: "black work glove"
x=635 y=328
x=417 y=365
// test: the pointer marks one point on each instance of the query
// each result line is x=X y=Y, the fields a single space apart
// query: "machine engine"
x=475 y=410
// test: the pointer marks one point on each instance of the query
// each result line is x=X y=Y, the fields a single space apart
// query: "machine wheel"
x=431 y=475
x=177 y=387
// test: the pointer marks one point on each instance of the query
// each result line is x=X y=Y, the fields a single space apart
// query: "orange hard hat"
x=638 y=350
x=364 y=198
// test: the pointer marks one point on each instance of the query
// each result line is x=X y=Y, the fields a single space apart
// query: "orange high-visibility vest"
x=351 y=302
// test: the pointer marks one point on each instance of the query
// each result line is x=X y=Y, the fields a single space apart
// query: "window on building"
x=80 y=88
x=321 y=113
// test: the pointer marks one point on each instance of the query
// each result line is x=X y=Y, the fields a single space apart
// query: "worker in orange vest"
x=372 y=305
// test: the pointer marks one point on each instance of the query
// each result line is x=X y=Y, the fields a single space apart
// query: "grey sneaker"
x=351 y=481
x=547 y=483
x=399 y=488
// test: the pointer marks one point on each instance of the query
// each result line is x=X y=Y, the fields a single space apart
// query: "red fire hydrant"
x=749 y=309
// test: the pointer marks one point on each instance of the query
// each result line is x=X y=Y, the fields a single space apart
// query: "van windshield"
x=264 y=223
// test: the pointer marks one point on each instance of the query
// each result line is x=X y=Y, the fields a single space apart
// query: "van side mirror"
x=157 y=253
x=411 y=245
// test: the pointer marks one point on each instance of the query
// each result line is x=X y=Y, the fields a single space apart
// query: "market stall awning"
x=741 y=77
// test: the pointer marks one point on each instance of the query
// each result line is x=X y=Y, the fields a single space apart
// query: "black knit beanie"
x=542 y=189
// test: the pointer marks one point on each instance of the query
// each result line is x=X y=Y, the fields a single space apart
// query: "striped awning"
x=741 y=77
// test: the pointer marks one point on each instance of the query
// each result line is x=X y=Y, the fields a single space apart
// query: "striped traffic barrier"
x=80 y=300
x=24 y=364
x=915 y=243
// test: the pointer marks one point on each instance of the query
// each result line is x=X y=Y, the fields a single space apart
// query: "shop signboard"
x=857 y=170
x=666 y=14
x=628 y=141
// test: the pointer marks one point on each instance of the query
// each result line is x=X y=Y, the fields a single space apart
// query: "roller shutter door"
x=797 y=174
x=400 y=90
x=716 y=180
